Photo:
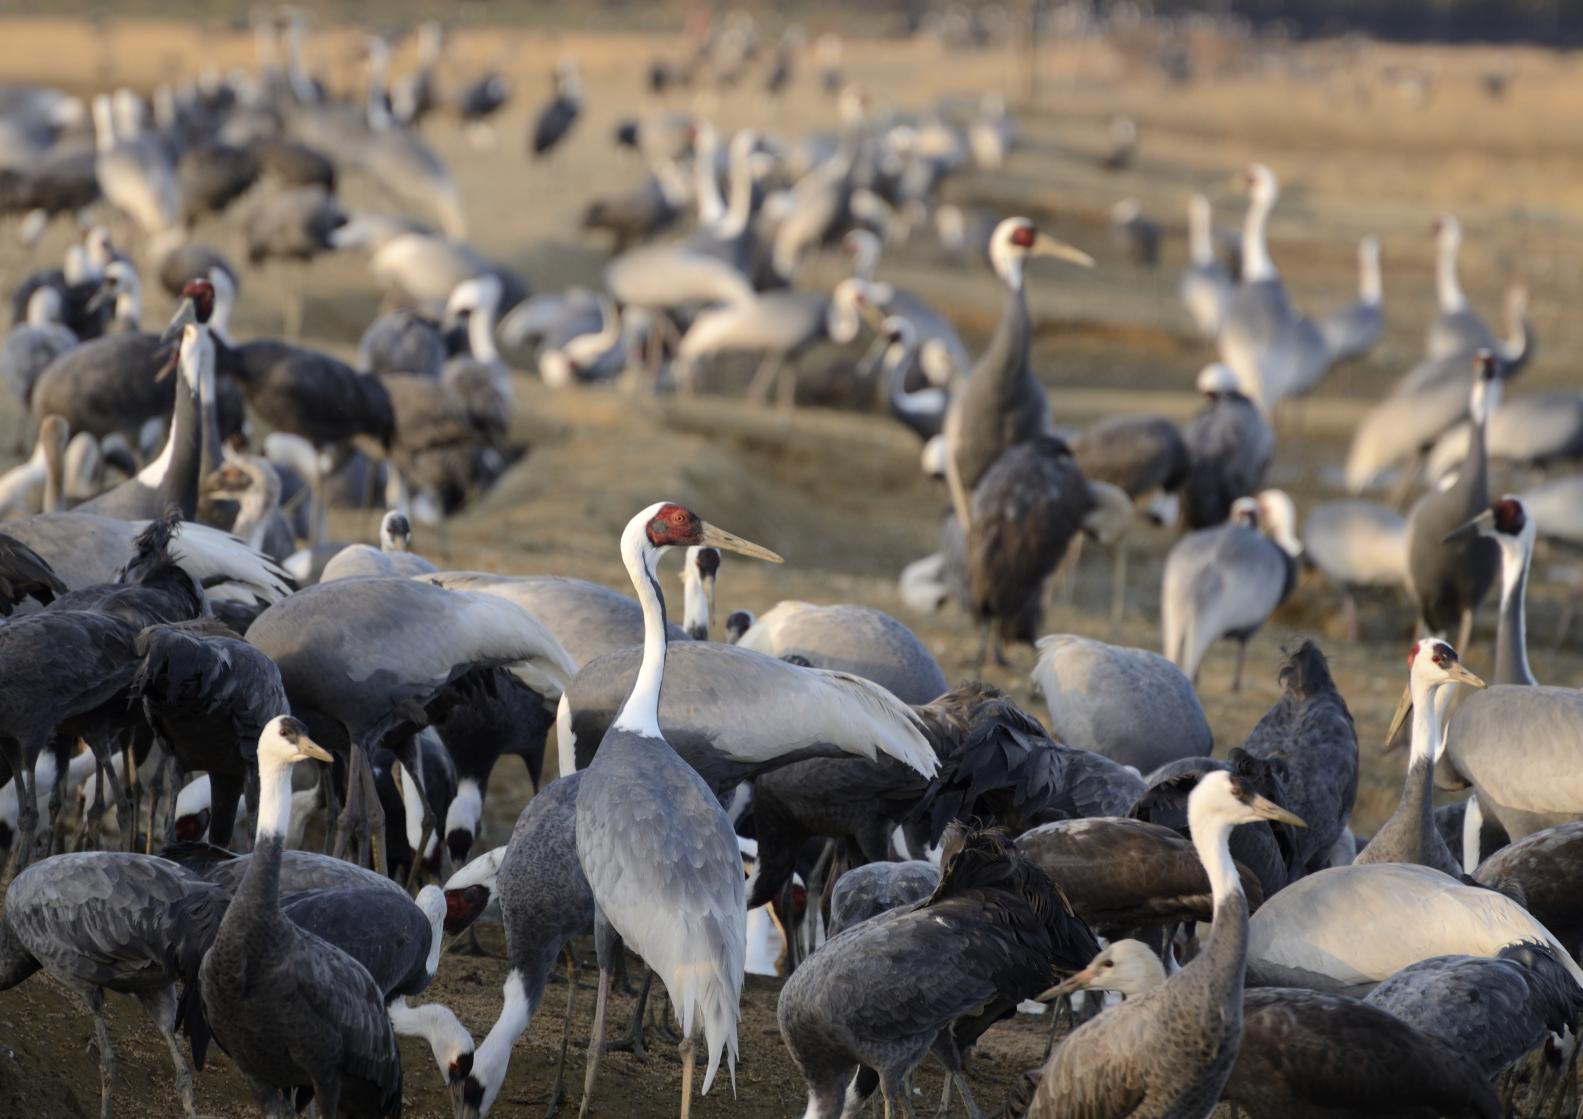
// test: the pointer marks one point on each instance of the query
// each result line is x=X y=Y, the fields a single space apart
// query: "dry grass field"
x=839 y=493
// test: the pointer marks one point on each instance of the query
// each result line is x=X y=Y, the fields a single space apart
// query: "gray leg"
x=768 y=372
x=1465 y=633
x=1242 y=655
x=633 y=1041
x=558 y=1092
x=605 y=947
x=1118 y=584
x=95 y=1001
x=160 y=1006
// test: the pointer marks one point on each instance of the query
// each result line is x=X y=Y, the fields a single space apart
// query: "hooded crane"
x=849 y=638
x=208 y=696
x=556 y=119
x=1131 y=705
x=1170 y=1051
x=1002 y=403
x=1229 y=447
x=1448 y=580
x=390 y=558
x=1309 y=734
x=1353 y=331
x=1304 y=1053
x=1026 y=510
x=1227 y=581
x=927 y=978
x=1410 y=835
x=545 y=901
x=658 y=850
x=1491 y=1011
x=293 y=1011
x=134 y=924
x=1273 y=350
x=399 y=682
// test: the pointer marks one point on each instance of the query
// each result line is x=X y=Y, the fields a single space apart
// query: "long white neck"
x=481 y=334
x=1200 y=235
x=1370 y=290
x=740 y=208
x=491 y=1057
x=1256 y=262
x=274 y=798
x=672 y=183
x=695 y=604
x=865 y=261
x=196 y=368
x=711 y=207
x=1426 y=724
x=1008 y=265
x=435 y=1023
x=253 y=511
x=1447 y=285
x=641 y=712
x=1515 y=558
x=220 y=316
x=1212 y=841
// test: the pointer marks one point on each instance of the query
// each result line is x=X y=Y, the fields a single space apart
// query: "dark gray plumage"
x=1307 y=1055
x=133 y=924
x=1229 y=446
x=312 y=394
x=107 y=385
x=867 y=891
x=930 y=977
x=208 y=695
x=1309 y=731
x=1491 y=1011
x=293 y=1011
x=1026 y=509
x=1544 y=866
x=1448 y=581
x=545 y=902
x=402 y=341
x=1140 y=454
x=25 y=574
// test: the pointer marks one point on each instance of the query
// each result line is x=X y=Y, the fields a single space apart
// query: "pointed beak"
x=1077 y=982
x=1478 y=526
x=1404 y=707
x=1460 y=675
x=102 y=295
x=1045 y=245
x=311 y=749
x=185 y=313
x=1267 y=809
x=720 y=538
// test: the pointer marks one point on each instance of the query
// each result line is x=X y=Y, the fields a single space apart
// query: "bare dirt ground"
x=838 y=493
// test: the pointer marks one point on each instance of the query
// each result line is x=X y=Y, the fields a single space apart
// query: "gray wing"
x=855 y=639
x=1477 y=1006
x=342 y=1010
x=876 y=888
x=379 y=928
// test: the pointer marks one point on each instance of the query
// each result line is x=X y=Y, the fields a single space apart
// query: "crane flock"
x=248 y=770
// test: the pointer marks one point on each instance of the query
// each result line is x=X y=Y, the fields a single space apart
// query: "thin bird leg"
x=160 y=1006
x=787 y=379
x=813 y=917
x=351 y=822
x=1349 y=612
x=1118 y=584
x=331 y=808
x=57 y=801
x=130 y=795
x=768 y=372
x=1242 y=655
x=596 y=1042
x=632 y=1041
x=1567 y=611
x=689 y=1050
x=1066 y=573
x=156 y=787
x=95 y=1001
x=1465 y=632
x=893 y=1085
x=26 y=815
x=373 y=813
x=558 y=1092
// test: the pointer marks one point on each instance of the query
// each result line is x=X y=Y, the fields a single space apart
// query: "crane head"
x=668 y=525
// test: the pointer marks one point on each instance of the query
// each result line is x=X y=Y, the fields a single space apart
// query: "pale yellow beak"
x=1077 y=982
x=1045 y=245
x=1404 y=708
x=311 y=749
x=720 y=538
x=1269 y=810
x=1460 y=675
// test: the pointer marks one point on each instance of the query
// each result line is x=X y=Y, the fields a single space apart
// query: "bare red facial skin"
x=1509 y=516
x=674 y=526
x=1023 y=236
x=1412 y=654
x=201 y=292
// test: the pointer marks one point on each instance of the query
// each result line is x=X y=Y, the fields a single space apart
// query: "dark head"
x=627 y=134
x=464 y=906
x=201 y=292
x=1507 y=518
x=708 y=562
x=395 y=532
x=738 y=622
x=460 y=841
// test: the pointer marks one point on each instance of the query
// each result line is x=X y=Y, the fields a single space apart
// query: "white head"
x=864 y=247
x=44 y=306
x=1278 y=519
x=481 y=293
x=700 y=571
x=850 y=302
x=1017 y=239
x=99 y=246
x=122 y=285
x=1128 y=967
x=1217 y=379
x=1369 y=287
x=395 y=532
x=1263 y=187
x=1431 y=665
x=283 y=744
x=1448 y=234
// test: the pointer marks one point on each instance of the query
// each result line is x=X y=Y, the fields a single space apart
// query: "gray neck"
x=1223 y=962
